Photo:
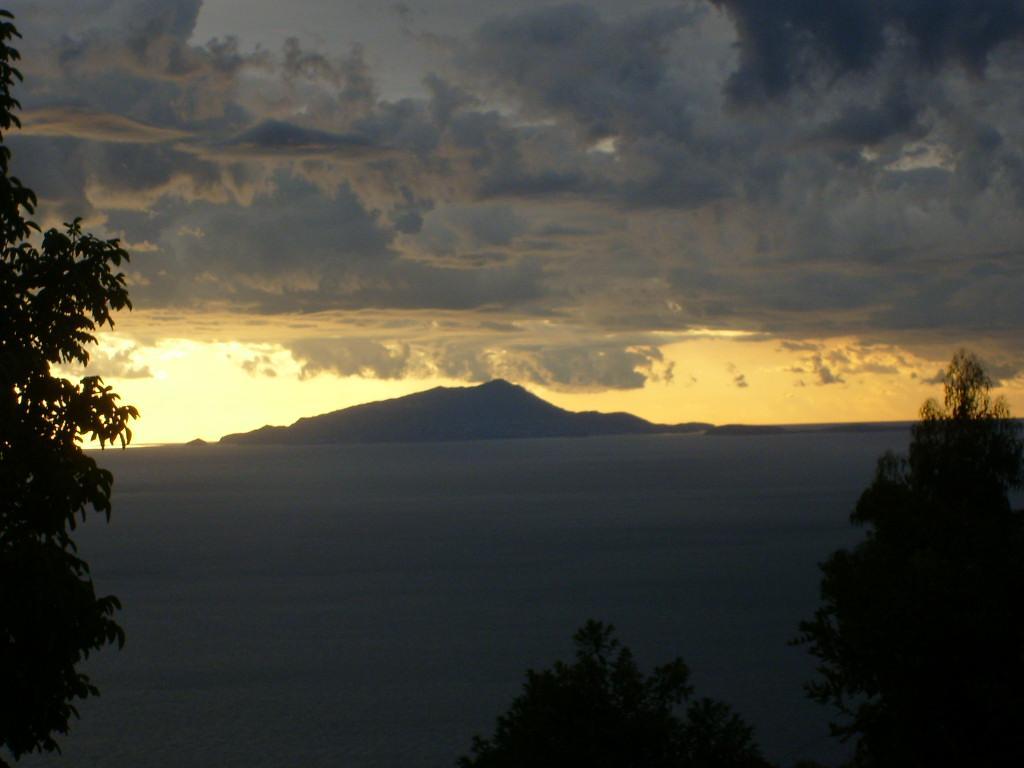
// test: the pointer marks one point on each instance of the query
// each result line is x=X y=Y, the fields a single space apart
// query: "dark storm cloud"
x=276 y=137
x=281 y=232
x=601 y=80
x=896 y=112
x=296 y=249
x=128 y=57
x=679 y=178
x=471 y=228
x=114 y=89
x=570 y=163
x=408 y=212
x=56 y=170
x=788 y=43
x=610 y=77
x=548 y=183
x=75 y=177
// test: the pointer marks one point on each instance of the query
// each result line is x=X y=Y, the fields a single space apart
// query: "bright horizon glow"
x=187 y=389
x=331 y=203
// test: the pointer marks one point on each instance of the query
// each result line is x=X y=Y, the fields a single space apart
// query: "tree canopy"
x=602 y=711
x=56 y=289
x=920 y=633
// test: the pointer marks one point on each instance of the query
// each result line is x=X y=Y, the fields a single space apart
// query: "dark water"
x=360 y=606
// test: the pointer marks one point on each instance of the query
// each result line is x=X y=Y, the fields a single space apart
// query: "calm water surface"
x=358 y=606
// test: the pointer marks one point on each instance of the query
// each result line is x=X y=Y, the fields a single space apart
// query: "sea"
x=375 y=606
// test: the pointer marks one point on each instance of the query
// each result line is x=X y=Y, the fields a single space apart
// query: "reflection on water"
x=363 y=606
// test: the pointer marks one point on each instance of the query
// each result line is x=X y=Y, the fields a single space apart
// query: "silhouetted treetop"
x=920 y=634
x=601 y=711
x=56 y=290
x=969 y=445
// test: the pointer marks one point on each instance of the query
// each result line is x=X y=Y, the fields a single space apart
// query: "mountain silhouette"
x=494 y=410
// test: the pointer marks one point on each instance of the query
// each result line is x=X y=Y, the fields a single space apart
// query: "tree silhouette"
x=602 y=712
x=920 y=634
x=53 y=296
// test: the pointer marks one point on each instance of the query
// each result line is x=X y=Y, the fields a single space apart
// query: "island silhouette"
x=495 y=410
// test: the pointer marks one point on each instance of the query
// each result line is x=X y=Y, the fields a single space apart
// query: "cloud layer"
x=605 y=176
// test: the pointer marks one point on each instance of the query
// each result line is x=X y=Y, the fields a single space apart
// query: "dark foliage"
x=602 y=712
x=53 y=296
x=920 y=635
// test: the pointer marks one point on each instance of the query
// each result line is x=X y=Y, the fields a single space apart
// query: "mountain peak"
x=496 y=409
x=500 y=385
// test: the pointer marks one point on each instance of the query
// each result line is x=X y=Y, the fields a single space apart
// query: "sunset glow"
x=187 y=389
x=620 y=207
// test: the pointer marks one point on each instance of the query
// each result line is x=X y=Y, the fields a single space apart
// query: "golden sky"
x=681 y=210
x=187 y=389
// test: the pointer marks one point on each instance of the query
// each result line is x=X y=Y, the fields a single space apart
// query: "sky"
x=714 y=210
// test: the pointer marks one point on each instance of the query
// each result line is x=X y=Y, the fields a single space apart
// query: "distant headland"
x=497 y=410
x=491 y=411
